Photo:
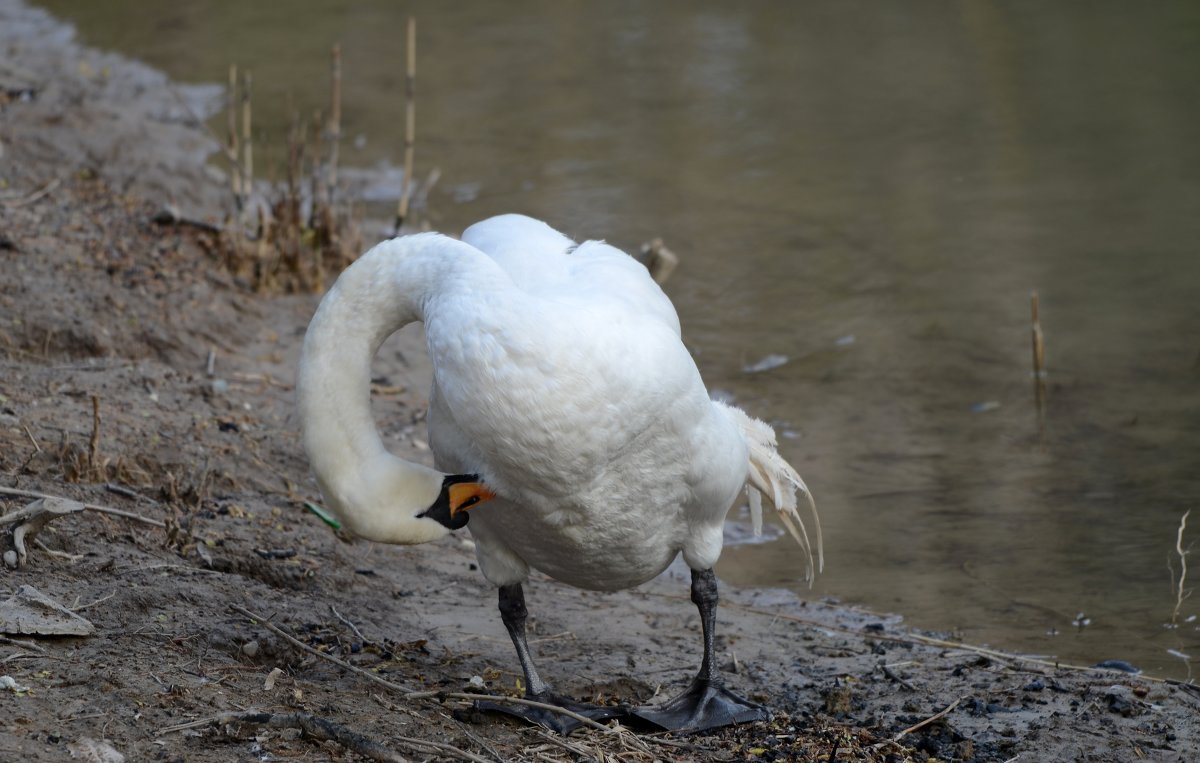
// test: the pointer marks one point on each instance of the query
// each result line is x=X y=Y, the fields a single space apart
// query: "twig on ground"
x=888 y=673
x=926 y=722
x=89 y=506
x=22 y=644
x=91 y=604
x=56 y=553
x=411 y=694
x=349 y=625
x=483 y=744
x=36 y=447
x=32 y=197
x=311 y=725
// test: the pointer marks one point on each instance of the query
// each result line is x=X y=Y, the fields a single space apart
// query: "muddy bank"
x=136 y=373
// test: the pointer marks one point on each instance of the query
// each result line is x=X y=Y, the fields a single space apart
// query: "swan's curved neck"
x=376 y=495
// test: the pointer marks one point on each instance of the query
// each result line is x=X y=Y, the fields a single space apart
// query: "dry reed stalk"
x=247 y=144
x=232 y=146
x=1039 y=359
x=1179 y=594
x=94 y=442
x=335 y=121
x=410 y=122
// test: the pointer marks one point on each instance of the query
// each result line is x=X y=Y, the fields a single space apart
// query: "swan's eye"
x=469 y=502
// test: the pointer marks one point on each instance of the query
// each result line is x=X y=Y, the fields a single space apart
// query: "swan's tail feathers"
x=773 y=477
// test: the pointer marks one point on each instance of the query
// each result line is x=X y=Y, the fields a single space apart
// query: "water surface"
x=871 y=190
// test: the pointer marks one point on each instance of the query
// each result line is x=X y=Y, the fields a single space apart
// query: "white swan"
x=564 y=398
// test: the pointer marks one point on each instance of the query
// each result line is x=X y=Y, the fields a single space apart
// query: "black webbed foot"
x=705 y=705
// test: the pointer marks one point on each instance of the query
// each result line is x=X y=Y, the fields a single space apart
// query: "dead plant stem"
x=1179 y=592
x=89 y=506
x=410 y=121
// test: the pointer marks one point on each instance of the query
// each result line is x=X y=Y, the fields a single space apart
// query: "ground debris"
x=25 y=523
x=29 y=612
x=93 y=751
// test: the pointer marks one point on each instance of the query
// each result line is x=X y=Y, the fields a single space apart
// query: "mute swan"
x=565 y=407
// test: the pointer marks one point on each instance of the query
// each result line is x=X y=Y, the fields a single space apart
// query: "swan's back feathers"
x=772 y=476
x=544 y=262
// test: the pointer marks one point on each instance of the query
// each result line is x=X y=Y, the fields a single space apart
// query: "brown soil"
x=98 y=302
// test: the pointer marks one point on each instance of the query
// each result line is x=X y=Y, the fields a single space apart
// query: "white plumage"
x=561 y=381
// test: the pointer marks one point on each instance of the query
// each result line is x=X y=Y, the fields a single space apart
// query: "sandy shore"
x=108 y=322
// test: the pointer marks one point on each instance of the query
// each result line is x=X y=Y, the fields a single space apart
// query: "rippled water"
x=869 y=191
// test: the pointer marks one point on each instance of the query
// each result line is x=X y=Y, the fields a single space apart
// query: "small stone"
x=250 y=648
x=10 y=559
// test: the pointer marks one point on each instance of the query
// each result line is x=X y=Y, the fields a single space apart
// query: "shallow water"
x=870 y=191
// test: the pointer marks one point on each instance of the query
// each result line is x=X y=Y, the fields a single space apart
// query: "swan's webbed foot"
x=704 y=705
x=557 y=722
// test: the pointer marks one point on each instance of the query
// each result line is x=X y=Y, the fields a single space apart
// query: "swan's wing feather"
x=772 y=476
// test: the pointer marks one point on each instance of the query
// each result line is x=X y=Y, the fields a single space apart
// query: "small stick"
x=349 y=625
x=311 y=725
x=89 y=506
x=926 y=722
x=890 y=674
x=94 y=443
x=410 y=122
x=210 y=367
x=29 y=434
x=1179 y=596
x=39 y=193
x=91 y=604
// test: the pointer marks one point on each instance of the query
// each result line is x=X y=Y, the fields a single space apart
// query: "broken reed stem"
x=1039 y=342
x=316 y=182
x=247 y=144
x=94 y=442
x=1039 y=360
x=335 y=120
x=1179 y=595
x=232 y=146
x=410 y=122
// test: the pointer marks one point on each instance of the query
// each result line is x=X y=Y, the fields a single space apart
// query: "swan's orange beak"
x=465 y=496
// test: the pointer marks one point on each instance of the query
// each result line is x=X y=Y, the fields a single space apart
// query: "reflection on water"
x=872 y=191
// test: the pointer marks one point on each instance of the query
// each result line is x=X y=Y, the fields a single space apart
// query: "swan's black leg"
x=514 y=614
x=706 y=704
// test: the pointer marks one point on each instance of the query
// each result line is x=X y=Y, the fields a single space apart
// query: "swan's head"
x=459 y=494
x=389 y=500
